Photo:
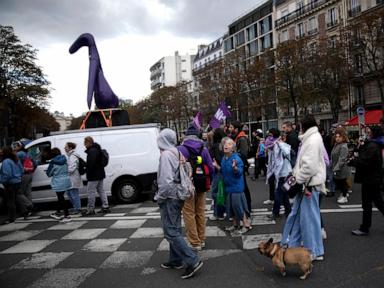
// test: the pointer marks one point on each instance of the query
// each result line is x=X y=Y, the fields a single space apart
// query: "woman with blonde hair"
x=340 y=170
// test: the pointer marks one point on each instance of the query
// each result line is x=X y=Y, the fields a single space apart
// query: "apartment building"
x=207 y=69
x=170 y=70
x=249 y=36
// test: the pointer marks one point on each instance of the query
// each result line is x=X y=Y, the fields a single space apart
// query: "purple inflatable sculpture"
x=104 y=96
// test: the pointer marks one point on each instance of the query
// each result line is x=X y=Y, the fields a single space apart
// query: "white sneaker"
x=268 y=202
x=323 y=233
x=350 y=191
x=213 y=218
x=317 y=258
x=66 y=219
x=56 y=216
x=342 y=200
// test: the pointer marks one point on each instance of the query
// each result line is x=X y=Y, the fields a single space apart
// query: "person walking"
x=232 y=170
x=75 y=177
x=10 y=176
x=303 y=227
x=60 y=183
x=193 y=149
x=369 y=172
x=281 y=168
x=340 y=169
x=273 y=135
x=292 y=140
x=95 y=175
x=180 y=254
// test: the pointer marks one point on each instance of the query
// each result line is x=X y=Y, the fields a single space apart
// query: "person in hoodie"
x=194 y=209
x=60 y=182
x=168 y=177
x=10 y=176
x=280 y=166
x=95 y=175
x=369 y=173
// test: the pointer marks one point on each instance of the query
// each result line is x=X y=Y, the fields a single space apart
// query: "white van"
x=133 y=159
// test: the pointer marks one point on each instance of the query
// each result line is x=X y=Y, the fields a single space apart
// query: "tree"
x=24 y=92
x=292 y=80
x=365 y=34
x=329 y=68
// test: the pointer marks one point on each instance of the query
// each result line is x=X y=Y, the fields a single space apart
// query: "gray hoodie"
x=168 y=165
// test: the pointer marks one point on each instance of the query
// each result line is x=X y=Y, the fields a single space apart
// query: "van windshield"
x=40 y=152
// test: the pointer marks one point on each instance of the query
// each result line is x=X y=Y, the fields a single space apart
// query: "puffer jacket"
x=339 y=156
x=58 y=170
x=310 y=165
x=73 y=169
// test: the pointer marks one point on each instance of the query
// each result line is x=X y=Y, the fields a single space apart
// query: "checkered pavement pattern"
x=48 y=253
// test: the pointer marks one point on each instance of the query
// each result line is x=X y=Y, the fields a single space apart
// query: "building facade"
x=170 y=70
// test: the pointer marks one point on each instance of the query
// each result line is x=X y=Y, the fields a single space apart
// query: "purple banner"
x=198 y=119
x=221 y=114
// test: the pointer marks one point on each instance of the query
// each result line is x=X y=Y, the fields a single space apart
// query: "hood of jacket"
x=59 y=160
x=166 y=139
x=193 y=143
x=308 y=133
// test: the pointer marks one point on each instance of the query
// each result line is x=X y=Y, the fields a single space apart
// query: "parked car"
x=133 y=160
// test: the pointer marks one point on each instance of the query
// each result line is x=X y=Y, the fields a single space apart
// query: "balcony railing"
x=298 y=12
x=312 y=31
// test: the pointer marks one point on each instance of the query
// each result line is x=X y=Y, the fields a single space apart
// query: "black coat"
x=293 y=140
x=369 y=164
x=95 y=169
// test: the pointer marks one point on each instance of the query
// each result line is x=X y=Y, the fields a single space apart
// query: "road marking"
x=82 y=234
x=104 y=245
x=127 y=259
x=46 y=260
x=252 y=241
x=29 y=246
x=63 y=278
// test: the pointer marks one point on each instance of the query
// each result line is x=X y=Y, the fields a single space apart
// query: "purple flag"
x=197 y=120
x=221 y=114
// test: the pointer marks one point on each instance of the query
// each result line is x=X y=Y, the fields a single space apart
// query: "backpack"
x=82 y=166
x=200 y=171
x=104 y=157
x=186 y=189
x=28 y=165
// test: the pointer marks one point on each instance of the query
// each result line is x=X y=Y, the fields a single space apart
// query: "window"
x=240 y=39
x=355 y=7
x=266 y=42
x=252 y=32
x=265 y=25
x=358 y=64
x=300 y=30
x=312 y=25
x=228 y=44
x=284 y=13
x=332 y=17
x=183 y=60
x=284 y=36
x=253 y=48
x=40 y=152
x=332 y=42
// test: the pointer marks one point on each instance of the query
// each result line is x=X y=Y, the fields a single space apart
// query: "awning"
x=371 y=117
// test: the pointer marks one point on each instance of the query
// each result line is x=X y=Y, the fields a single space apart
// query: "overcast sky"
x=131 y=35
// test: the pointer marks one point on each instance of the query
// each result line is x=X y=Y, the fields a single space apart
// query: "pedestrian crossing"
x=128 y=238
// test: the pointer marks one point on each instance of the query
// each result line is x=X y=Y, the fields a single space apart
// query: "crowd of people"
x=319 y=164
x=300 y=165
x=64 y=170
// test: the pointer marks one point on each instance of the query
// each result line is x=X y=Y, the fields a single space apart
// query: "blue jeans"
x=218 y=211
x=329 y=179
x=179 y=251
x=74 y=197
x=306 y=228
x=281 y=196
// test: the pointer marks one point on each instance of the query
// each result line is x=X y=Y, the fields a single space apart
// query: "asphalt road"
x=125 y=249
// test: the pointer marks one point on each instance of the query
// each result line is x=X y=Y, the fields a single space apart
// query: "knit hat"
x=192 y=130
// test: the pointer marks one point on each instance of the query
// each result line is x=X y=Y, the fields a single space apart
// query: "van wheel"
x=127 y=190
